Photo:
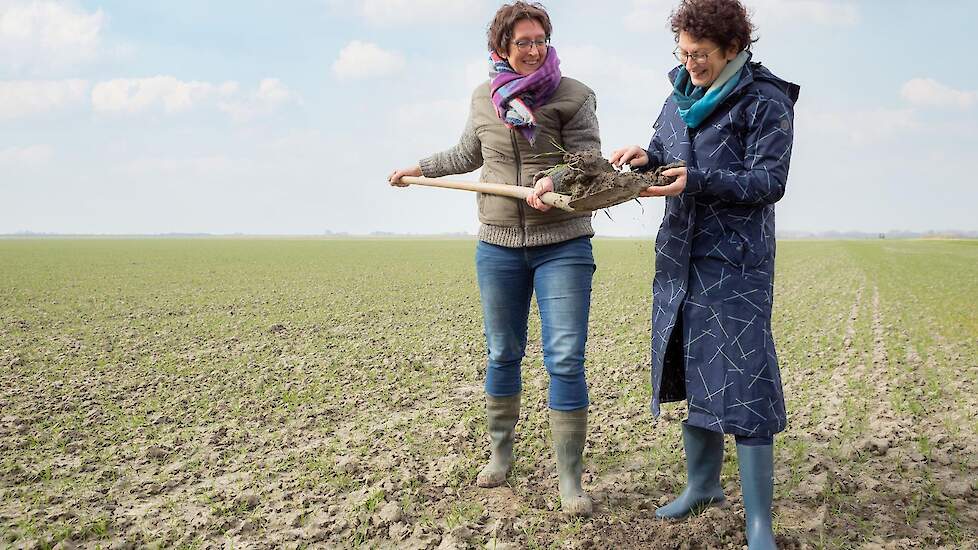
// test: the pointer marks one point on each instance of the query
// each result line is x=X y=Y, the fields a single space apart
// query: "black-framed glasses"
x=524 y=45
x=698 y=58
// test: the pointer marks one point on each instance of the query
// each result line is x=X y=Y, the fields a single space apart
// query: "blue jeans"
x=561 y=276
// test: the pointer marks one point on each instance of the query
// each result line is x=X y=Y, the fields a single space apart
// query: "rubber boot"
x=756 y=464
x=704 y=457
x=569 y=430
x=502 y=413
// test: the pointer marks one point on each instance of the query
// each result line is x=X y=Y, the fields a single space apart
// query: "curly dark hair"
x=725 y=22
x=501 y=28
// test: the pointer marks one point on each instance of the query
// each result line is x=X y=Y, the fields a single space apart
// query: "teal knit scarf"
x=697 y=103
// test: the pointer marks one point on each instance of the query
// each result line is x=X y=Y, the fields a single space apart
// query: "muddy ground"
x=287 y=394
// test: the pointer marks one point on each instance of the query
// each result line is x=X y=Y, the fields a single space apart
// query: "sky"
x=256 y=117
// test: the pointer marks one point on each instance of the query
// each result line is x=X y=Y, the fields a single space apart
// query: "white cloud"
x=30 y=155
x=861 y=128
x=804 y=12
x=614 y=77
x=31 y=97
x=648 y=15
x=270 y=94
x=404 y=12
x=134 y=95
x=42 y=34
x=21 y=98
x=171 y=95
x=928 y=92
x=359 y=60
x=272 y=91
x=653 y=15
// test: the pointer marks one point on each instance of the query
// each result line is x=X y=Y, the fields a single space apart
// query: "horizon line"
x=787 y=233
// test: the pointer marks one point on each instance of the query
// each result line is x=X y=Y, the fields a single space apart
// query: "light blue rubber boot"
x=704 y=456
x=756 y=464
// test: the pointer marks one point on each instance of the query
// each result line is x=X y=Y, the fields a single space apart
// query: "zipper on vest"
x=519 y=180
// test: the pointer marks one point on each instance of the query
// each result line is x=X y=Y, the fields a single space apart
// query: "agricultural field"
x=327 y=393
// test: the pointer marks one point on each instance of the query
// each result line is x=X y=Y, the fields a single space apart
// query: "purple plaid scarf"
x=515 y=96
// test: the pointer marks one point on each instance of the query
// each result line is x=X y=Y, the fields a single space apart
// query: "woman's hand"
x=670 y=190
x=544 y=185
x=633 y=155
x=395 y=177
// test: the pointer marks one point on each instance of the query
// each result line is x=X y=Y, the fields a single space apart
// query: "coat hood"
x=760 y=73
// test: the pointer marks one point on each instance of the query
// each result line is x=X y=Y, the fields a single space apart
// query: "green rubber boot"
x=569 y=429
x=502 y=413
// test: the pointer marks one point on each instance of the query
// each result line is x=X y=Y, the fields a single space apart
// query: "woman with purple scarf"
x=519 y=122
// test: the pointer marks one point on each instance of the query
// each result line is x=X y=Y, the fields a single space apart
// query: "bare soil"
x=328 y=394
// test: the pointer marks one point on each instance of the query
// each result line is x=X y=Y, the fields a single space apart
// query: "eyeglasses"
x=524 y=45
x=698 y=58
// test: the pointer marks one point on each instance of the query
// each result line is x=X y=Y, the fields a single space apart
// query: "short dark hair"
x=725 y=22
x=501 y=28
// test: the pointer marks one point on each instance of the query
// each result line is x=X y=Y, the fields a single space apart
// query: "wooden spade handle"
x=553 y=199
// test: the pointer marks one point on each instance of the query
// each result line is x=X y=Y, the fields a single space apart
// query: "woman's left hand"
x=670 y=190
x=544 y=185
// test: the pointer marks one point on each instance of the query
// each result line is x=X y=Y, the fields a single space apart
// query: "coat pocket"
x=752 y=252
x=738 y=248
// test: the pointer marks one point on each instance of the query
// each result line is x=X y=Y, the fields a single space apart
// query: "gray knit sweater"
x=580 y=133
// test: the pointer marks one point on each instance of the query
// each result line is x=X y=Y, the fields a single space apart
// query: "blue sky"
x=284 y=118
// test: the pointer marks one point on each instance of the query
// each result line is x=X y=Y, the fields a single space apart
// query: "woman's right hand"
x=633 y=155
x=395 y=177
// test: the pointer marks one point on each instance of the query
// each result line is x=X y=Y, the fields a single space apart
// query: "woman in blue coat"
x=731 y=121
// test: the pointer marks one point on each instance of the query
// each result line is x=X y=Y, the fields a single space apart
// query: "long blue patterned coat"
x=714 y=263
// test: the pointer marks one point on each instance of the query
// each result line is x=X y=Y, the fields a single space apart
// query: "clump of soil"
x=593 y=183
